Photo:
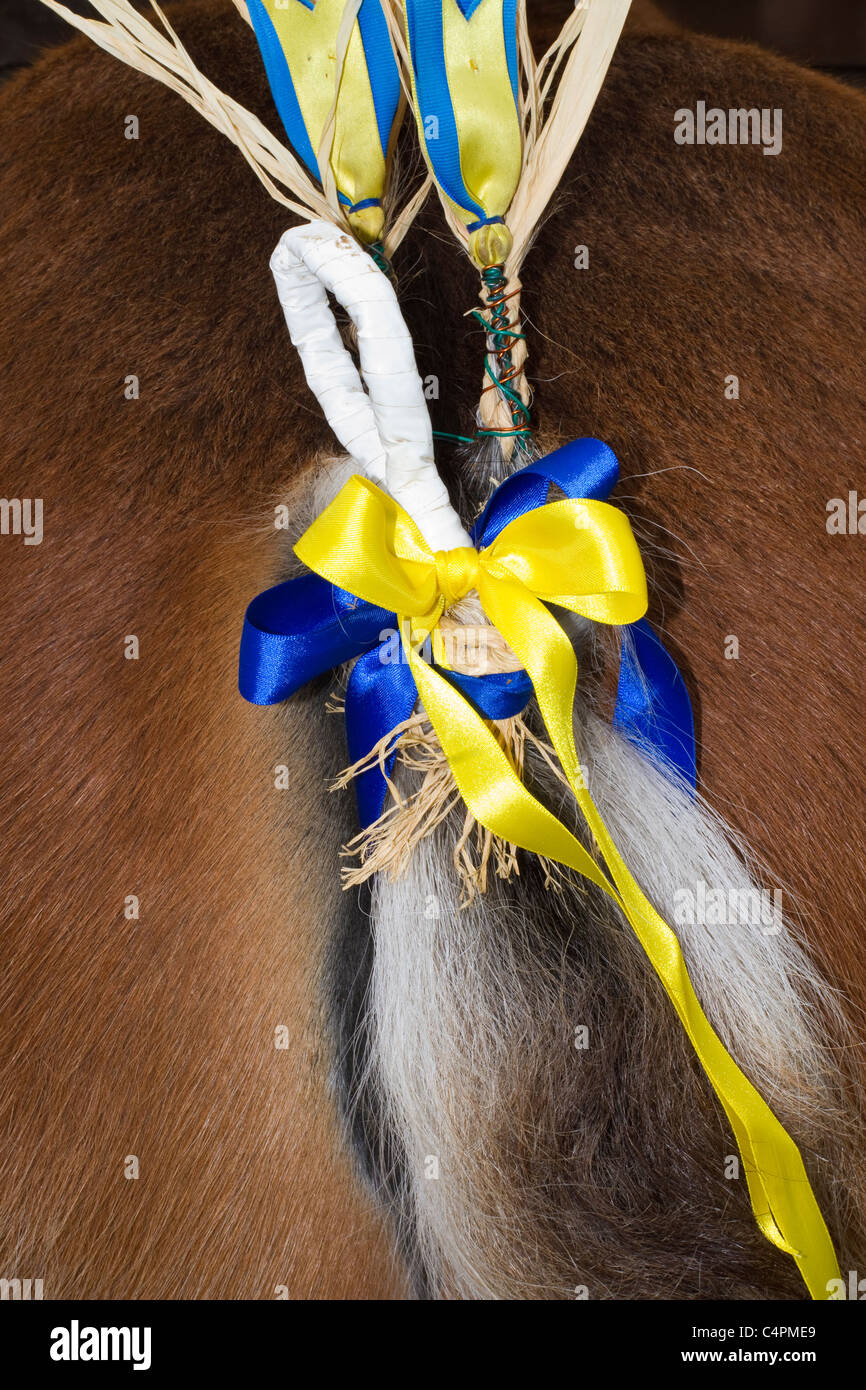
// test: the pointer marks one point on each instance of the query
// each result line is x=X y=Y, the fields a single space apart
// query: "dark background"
x=824 y=33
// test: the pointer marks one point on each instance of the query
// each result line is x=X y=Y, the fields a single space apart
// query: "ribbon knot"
x=456 y=572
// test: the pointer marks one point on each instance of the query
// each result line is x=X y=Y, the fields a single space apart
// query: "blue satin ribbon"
x=303 y=627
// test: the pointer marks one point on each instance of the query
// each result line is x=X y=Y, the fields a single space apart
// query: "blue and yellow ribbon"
x=464 y=70
x=298 y=40
x=579 y=554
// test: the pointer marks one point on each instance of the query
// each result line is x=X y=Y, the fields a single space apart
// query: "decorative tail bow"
x=303 y=627
x=578 y=553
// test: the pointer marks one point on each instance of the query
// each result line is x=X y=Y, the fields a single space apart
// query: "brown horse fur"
x=156 y=1038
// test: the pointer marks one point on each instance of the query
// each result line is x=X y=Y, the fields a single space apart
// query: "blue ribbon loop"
x=303 y=627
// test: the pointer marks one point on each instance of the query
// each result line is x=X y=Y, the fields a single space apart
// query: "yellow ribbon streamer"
x=581 y=555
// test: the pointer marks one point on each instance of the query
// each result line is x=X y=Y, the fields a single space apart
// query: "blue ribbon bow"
x=306 y=626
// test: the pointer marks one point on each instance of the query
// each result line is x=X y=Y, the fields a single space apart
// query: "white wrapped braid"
x=387 y=431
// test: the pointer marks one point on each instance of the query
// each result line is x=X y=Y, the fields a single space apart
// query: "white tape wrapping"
x=386 y=428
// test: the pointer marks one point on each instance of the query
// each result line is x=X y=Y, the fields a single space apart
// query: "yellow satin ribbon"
x=309 y=40
x=581 y=555
x=471 y=55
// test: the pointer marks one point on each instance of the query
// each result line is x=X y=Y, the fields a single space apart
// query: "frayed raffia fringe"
x=472 y=645
x=387 y=845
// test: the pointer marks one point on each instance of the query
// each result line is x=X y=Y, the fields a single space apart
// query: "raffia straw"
x=326 y=144
x=387 y=845
x=572 y=70
x=567 y=78
x=127 y=35
x=557 y=95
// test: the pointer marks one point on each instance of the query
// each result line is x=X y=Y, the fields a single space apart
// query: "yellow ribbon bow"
x=582 y=555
